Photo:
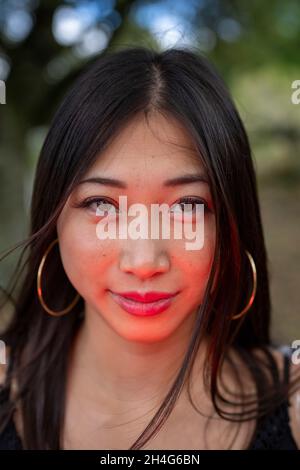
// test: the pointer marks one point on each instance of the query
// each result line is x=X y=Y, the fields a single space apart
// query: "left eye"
x=193 y=201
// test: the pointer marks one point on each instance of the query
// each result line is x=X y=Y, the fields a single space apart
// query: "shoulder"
x=3 y=369
x=294 y=376
x=2 y=373
x=294 y=409
x=284 y=359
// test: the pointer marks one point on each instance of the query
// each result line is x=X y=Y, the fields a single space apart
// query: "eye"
x=99 y=204
x=182 y=205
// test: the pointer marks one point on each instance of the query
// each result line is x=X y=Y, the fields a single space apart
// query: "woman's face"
x=142 y=157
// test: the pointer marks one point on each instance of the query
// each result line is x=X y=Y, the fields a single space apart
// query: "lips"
x=145 y=307
x=150 y=296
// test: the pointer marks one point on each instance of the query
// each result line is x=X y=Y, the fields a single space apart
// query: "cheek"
x=196 y=264
x=198 y=267
x=83 y=255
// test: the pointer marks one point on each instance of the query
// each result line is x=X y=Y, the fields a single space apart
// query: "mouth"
x=146 y=307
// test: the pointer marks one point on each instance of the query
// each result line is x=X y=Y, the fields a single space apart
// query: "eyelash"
x=194 y=200
x=185 y=200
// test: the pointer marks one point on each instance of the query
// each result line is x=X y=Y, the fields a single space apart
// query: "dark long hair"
x=110 y=92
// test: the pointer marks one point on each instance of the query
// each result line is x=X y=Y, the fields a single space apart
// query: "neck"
x=122 y=373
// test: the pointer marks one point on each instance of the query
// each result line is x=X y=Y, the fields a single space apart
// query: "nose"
x=144 y=258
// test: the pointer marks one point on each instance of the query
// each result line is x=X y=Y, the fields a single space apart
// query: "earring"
x=251 y=300
x=39 y=287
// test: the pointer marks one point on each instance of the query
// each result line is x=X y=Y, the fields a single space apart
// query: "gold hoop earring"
x=251 y=300
x=39 y=287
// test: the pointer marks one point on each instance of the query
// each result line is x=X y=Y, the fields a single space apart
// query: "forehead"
x=157 y=144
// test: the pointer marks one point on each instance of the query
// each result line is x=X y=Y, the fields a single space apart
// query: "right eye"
x=100 y=204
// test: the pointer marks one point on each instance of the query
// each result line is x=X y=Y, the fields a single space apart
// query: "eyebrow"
x=186 y=179
x=179 y=180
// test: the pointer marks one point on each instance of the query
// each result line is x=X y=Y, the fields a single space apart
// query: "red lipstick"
x=144 y=303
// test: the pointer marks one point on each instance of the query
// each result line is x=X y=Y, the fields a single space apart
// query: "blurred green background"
x=256 y=48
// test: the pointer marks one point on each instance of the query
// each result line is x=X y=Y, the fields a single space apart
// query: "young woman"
x=96 y=358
